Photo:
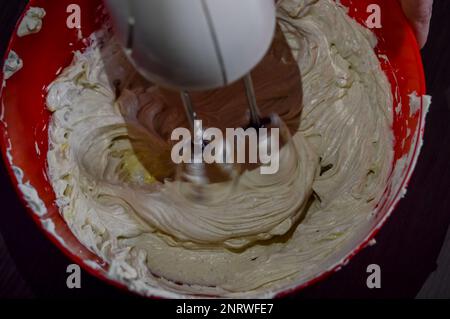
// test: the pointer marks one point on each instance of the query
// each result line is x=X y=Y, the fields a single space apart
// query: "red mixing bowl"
x=24 y=119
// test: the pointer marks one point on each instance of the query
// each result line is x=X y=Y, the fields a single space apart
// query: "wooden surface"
x=412 y=248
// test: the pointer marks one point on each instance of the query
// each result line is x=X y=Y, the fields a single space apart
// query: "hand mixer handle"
x=193 y=45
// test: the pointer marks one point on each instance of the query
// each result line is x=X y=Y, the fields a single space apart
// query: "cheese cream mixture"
x=109 y=164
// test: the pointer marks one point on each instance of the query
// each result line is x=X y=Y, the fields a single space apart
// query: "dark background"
x=412 y=248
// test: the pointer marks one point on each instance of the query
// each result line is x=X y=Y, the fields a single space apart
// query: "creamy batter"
x=12 y=65
x=109 y=164
x=31 y=22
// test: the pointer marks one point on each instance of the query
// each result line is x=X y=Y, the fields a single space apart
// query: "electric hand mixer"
x=195 y=45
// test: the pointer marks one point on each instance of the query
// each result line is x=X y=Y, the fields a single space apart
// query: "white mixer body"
x=193 y=45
